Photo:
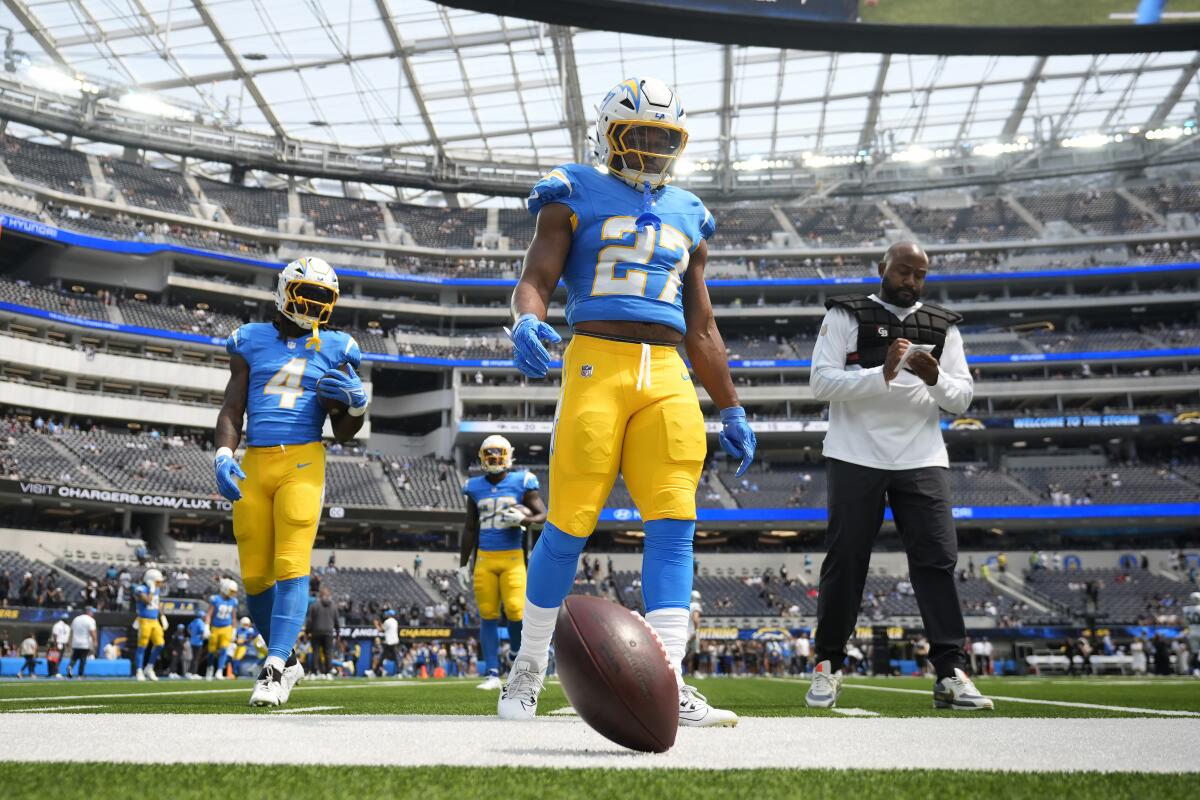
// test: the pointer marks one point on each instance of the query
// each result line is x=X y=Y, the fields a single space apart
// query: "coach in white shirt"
x=884 y=448
x=83 y=640
x=60 y=634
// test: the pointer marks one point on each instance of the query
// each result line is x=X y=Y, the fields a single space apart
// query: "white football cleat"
x=140 y=674
x=518 y=699
x=149 y=672
x=959 y=693
x=292 y=674
x=268 y=688
x=825 y=687
x=695 y=712
x=491 y=682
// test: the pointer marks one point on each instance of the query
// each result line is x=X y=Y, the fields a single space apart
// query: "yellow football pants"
x=150 y=632
x=219 y=639
x=500 y=578
x=629 y=407
x=275 y=522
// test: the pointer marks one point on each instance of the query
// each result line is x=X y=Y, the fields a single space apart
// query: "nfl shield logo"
x=882 y=330
x=291 y=345
x=585 y=371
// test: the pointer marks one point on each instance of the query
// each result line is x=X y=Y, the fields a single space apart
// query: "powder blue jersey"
x=146 y=608
x=615 y=271
x=281 y=402
x=196 y=631
x=491 y=499
x=224 y=610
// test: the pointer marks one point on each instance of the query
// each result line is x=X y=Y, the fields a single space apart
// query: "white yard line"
x=565 y=711
x=247 y=687
x=1165 y=15
x=855 y=712
x=1161 y=712
x=306 y=710
x=977 y=742
x=51 y=708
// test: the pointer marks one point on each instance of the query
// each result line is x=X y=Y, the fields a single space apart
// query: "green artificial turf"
x=748 y=697
x=1032 y=13
x=98 y=781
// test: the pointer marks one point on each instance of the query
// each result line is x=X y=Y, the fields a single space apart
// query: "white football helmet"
x=244 y=622
x=640 y=132
x=229 y=587
x=152 y=577
x=495 y=454
x=306 y=292
x=1195 y=598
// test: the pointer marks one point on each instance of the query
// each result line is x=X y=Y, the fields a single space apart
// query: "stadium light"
x=1171 y=133
x=152 y=106
x=55 y=80
x=914 y=154
x=1087 y=141
x=993 y=149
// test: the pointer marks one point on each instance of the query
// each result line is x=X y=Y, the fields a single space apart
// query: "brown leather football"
x=614 y=671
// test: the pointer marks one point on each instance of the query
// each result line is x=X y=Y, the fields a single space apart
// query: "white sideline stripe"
x=992 y=743
x=50 y=708
x=855 y=712
x=1160 y=712
x=1165 y=15
x=565 y=711
x=306 y=710
x=249 y=687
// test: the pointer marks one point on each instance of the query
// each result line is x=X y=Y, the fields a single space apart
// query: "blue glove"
x=529 y=355
x=343 y=387
x=227 y=471
x=737 y=439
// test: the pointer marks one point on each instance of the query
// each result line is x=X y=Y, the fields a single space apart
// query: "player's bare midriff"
x=651 y=332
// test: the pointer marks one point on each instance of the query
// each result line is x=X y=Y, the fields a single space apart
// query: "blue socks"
x=261 y=606
x=489 y=642
x=155 y=652
x=667 y=564
x=141 y=660
x=287 y=616
x=222 y=660
x=514 y=634
x=553 y=563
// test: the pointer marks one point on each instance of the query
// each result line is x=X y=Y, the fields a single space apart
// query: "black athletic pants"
x=79 y=655
x=920 y=503
x=323 y=652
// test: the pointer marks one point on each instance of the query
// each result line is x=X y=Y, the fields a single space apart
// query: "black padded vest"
x=878 y=327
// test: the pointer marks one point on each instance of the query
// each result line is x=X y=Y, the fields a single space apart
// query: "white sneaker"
x=518 y=699
x=695 y=712
x=491 y=683
x=292 y=674
x=268 y=688
x=195 y=677
x=221 y=676
x=825 y=687
x=960 y=694
x=141 y=674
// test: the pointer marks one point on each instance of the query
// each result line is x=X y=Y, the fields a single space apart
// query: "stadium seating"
x=342 y=217
x=26 y=455
x=1124 y=596
x=352 y=482
x=743 y=227
x=518 y=225
x=148 y=187
x=252 y=208
x=440 y=227
x=1113 y=484
x=425 y=482
x=76 y=304
x=17 y=565
x=56 y=167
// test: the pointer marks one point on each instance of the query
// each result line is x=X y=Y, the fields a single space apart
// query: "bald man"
x=884 y=448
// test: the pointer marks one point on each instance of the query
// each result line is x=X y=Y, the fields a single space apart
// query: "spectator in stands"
x=322 y=626
x=26 y=594
x=28 y=651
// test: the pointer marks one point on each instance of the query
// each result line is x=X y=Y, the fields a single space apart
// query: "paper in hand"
x=913 y=348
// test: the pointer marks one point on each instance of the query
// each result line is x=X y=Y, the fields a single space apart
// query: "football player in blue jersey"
x=283 y=376
x=501 y=503
x=147 y=596
x=631 y=250
x=222 y=611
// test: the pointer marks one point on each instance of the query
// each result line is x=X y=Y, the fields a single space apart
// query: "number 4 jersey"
x=491 y=499
x=281 y=400
x=615 y=271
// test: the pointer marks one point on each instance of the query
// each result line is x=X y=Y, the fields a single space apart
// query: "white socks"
x=536 y=630
x=671 y=625
x=274 y=661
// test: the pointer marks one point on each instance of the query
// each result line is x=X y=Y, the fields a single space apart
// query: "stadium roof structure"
x=410 y=92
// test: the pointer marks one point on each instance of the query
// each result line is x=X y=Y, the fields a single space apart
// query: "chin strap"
x=314 y=341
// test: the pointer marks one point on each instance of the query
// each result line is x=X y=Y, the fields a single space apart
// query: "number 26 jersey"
x=614 y=270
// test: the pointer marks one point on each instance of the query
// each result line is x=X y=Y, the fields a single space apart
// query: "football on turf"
x=614 y=671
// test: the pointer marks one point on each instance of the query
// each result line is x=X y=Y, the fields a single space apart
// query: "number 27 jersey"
x=614 y=270
x=281 y=397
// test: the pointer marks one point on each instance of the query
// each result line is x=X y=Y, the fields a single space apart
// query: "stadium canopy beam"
x=433 y=45
x=1013 y=124
x=128 y=33
x=564 y=52
x=240 y=70
x=725 y=117
x=876 y=96
x=410 y=77
x=1186 y=75
x=35 y=29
